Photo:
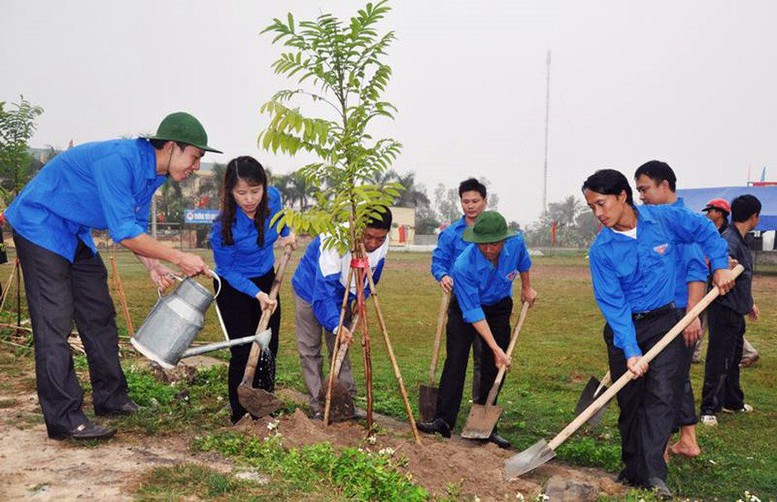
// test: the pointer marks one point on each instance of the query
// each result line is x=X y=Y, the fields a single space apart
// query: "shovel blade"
x=427 y=402
x=341 y=407
x=528 y=460
x=588 y=396
x=481 y=421
x=258 y=402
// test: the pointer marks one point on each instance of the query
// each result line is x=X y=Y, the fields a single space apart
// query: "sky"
x=692 y=83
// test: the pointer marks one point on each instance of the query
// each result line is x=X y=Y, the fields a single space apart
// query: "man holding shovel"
x=319 y=288
x=656 y=183
x=103 y=185
x=450 y=244
x=483 y=275
x=633 y=261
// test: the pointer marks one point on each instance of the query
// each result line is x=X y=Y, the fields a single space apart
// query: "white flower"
x=388 y=451
x=519 y=496
x=271 y=426
x=372 y=439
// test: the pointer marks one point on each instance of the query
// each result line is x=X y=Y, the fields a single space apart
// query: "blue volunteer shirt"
x=321 y=275
x=244 y=259
x=102 y=185
x=449 y=246
x=691 y=267
x=638 y=275
x=478 y=282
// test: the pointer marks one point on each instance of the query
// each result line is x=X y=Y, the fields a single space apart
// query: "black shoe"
x=437 y=425
x=86 y=431
x=499 y=440
x=127 y=408
x=658 y=486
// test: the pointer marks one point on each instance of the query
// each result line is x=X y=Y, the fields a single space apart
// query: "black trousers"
x=241 y=315
x=721 y=371
x=686 y=410
x=460 y=335
x=58 y=293
x=648 y=404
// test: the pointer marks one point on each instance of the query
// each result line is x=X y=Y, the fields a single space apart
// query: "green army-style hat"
x=490 y=226
x=183 y=128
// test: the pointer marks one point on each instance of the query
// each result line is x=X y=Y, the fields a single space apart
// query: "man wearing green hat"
x=483 y=275
x=103 y=185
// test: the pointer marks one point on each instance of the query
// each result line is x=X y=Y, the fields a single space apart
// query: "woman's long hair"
x=251 y=171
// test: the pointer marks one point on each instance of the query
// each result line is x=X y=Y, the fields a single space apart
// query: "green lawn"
x=560 y=347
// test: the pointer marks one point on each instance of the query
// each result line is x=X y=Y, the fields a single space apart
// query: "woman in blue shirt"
x=632 y=265
x=242 y=240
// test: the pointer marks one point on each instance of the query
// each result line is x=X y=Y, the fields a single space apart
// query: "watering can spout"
x=264 y=336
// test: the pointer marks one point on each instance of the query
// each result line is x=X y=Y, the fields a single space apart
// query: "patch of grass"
x=349 y=474
x=194 y=481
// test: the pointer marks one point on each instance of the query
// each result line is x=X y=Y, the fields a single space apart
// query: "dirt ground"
x=33 y=467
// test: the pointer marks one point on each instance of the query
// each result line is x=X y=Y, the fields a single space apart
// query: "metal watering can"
x=169 y=329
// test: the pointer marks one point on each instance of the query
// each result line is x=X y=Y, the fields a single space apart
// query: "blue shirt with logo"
x=244 y=258
x=102 y=185
x=449 y=246
x=479 y=283
x=638 y=275
x=321 y=276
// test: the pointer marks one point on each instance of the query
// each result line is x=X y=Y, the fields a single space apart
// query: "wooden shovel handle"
x=606 y=379
x=627 y=376
x=441 y=317
x=502 y=369
x=343 y=349
x=256 y=350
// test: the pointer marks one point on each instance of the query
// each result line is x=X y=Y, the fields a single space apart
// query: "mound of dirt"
x=436 y=464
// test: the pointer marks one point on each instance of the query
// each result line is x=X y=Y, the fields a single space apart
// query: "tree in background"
x=17 y=126
x=341 y=64
x=575 y=225
x=295 y=189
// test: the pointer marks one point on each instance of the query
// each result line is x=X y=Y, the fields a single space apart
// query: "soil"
x=32 y=466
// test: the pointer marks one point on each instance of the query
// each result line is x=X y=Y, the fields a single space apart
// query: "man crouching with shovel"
x=483 y=275
x=319 y=288
x=633 y=262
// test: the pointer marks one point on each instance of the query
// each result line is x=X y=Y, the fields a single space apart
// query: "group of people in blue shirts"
x=649 y=265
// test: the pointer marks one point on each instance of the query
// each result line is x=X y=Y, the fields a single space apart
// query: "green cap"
x=489 y=227
x=184 y=128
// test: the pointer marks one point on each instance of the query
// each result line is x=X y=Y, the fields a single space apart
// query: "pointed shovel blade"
x=258 y=402
x=528 y=460
x=427 y=402
x=481 y=421
x=588 y=396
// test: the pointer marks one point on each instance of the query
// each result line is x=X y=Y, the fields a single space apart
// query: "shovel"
x=483 y=418
x=542 y=451
x=341 y=407
x=592 y=390
x=427 y=398
x=259 y=402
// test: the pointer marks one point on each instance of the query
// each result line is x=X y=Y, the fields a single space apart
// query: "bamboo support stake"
x=122 y=298
x=8 y=285
x=366 y=350
x=394 y=364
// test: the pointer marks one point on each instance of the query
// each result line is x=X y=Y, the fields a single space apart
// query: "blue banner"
x=199 y=216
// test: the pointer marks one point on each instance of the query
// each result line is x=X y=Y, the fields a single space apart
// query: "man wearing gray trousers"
x=319 y=287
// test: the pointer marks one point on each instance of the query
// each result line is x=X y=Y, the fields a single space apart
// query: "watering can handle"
x=208 y=271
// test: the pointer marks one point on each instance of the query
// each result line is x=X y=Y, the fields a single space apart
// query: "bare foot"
x=666 y=454
x=686 y=450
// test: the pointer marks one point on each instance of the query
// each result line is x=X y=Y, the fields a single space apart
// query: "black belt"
x=641 y=316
